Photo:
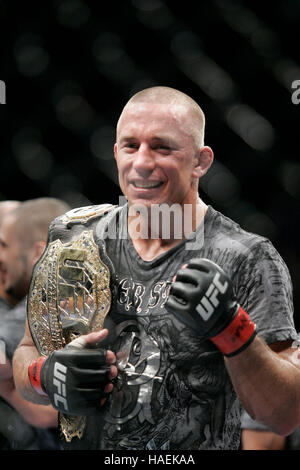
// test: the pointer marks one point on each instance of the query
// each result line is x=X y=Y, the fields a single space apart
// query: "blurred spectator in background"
x=5 y=299
x=23 y=235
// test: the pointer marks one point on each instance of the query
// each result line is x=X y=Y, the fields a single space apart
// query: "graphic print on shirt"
x=132 y=294
x=138 y=361
x=168 y=383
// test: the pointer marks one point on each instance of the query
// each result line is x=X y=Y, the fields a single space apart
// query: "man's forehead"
x=154 y=115
x=164 y=109
x=7 y=224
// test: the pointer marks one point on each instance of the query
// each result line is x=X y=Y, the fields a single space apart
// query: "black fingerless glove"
x=202 y=298
x=72 y=378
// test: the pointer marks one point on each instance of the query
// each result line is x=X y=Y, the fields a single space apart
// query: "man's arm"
x=75 y=379
x=24 y=355
x=266 y=381
x=268 y=384
x=257 y=436
x=262 y=440
x=37 y=415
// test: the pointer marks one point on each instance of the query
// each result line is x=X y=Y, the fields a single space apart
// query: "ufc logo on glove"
x=210 y=301
x=217 y=316
x=59 y=381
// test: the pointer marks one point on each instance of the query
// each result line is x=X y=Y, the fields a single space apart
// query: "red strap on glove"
x=237 y=335
x=34 y=373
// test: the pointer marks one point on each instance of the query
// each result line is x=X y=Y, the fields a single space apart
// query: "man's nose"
x=144 y=162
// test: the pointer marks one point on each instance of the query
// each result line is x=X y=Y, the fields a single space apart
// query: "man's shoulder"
x=85 y=214
x=80 y=218
x=226 y=232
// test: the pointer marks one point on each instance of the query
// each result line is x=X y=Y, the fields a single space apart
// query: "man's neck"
x=158 y=232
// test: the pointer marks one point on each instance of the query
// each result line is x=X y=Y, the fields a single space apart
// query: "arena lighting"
x=73 y=14
x=30 y=55
x=221 y=185
x=102 y=142
x=262 y=38
x=253 y=219
x=74 y=112
x=254 y=129
x=154 y=14
x=286 y=71
x=113 y=61
x=289 y=174
x=33 y=158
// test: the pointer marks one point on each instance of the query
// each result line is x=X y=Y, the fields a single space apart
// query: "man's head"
x=23 y=236
x=160 y=149
x=5 y=208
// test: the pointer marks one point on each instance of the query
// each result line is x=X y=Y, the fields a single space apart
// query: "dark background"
x=70 y=66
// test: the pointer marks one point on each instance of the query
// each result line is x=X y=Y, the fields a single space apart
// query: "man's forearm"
x=37 y=415
x=267 y=385
x=23 y=357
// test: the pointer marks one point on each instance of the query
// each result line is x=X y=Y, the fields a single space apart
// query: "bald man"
x=23 y=235
x=201 y=316
x=6 y=300
x=5 y=208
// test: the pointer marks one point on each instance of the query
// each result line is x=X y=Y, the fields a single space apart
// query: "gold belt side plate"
x=69 y=282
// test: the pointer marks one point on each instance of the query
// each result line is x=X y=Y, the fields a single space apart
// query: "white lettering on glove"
x=209 y=301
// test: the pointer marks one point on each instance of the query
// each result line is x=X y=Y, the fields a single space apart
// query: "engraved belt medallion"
x=70 y=285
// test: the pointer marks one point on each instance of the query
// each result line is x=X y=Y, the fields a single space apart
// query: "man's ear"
x=116 y=151
x=204 y=160
x=38 y=249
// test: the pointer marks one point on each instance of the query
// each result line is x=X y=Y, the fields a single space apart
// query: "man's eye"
x=165 y=148
x=130 y=145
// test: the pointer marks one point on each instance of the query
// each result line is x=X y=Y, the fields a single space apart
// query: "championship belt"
x=70 y=293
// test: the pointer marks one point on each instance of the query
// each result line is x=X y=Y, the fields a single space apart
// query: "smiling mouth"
x=147 y=184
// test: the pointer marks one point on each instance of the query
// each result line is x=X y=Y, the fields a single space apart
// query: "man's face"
x=14 y=260
x=156 y=155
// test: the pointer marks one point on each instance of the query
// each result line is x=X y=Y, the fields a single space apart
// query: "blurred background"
x=69 y=67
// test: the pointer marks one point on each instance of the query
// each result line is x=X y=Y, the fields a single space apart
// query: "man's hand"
x=76 y=378
x=201 y=297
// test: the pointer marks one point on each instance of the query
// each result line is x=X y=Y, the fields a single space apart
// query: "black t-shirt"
x=172 y=390
x=12 y=327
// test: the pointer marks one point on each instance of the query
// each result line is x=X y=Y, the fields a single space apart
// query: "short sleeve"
x=248 y=423
x=263 y=287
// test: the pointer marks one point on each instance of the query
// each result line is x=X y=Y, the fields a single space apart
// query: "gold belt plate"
x=70 y=282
